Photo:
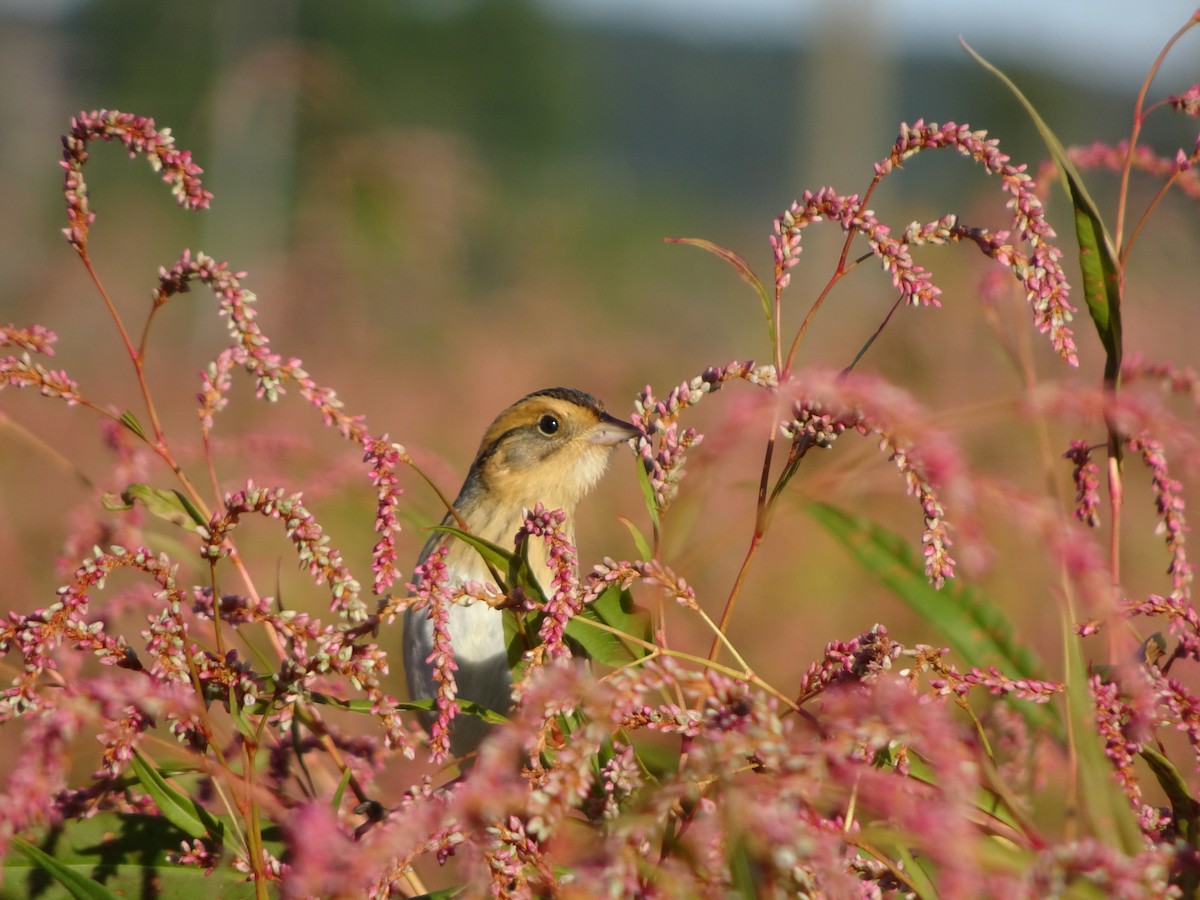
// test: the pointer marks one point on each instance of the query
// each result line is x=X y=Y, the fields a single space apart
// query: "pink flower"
x=139 y=136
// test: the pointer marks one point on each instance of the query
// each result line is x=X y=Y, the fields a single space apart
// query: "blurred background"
x=444 y=205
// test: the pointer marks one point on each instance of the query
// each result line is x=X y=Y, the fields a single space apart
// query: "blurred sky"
x=1104 y=40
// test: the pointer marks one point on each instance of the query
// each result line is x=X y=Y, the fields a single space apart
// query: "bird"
x=550 y=447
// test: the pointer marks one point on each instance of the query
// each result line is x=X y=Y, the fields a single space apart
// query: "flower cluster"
x=562 y=559
x=432 y=592
x=34 y=339
x=1168 y=498
x=1182 y=615
x=860 y=659
x=625 y=573
x=38 y=636
x=323 y=562
x=1187 y=103
x=21 y=371
x=1086 y=475
x=139 y=136
x=659 y=772
x=384 y=458
x=660 y=419
x=825 y=405
x=996 y=682
x=1184 y=381
x=251 y=349
x=1114 y=723
x=1041 y=272
x=912 y=280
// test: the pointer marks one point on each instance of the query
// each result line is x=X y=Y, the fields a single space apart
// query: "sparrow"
x=551 y=447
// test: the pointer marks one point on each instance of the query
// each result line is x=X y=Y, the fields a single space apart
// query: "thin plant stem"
x=838 y=273
x=134 y=354
x=755 y=539
x=1139 y=118
x=748 y=677
x=1145 y=217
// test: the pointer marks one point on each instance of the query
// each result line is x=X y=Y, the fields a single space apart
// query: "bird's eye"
x=548 y=425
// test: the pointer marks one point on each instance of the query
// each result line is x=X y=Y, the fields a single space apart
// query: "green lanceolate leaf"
x=465 y=707
x=741 y=871
x=502 y=561
x=179 y=809
x=171 y=506
x=336 y=803
x=643 y=478
x=974 y=627
x=645 y=553
x=1185 y=809
x=616 y=609
x=119 y=855
x=1098 y=259
x=492 y=554
x=76 y=883
x=1101 y=287
x=129 y=420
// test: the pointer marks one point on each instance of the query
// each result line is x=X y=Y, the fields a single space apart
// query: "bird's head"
x=550 y=447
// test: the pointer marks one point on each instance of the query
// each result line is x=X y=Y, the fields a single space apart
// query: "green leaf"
x=1101 y=286
x=361 y=705
x=744 y=272
x=172 y=506
x=741 y=871
x=639 y=539
x=465 y=707
x=520 y=573
x=118 y=855
x=115 y=502
x=919 y=870
x=1097 y=257
x=129 y=420
x=179 y=809
x=501 y=560
x=1185 y=810
x=643 y=478
x=77 y=885
x=493 y=554
x=974 y=627
x=336 y=803
x=616 y=609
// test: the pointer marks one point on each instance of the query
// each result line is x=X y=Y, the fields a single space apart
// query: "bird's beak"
x=610 y=431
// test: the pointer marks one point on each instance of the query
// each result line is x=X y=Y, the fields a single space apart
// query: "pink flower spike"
x=1086 y=475
x=384 y=458
x=565 y=600
x=1168 y=499
x=1038 y=270
x=139 y=136
x=431 y=592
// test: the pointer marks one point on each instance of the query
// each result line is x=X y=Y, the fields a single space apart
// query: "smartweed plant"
x=240 y=741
